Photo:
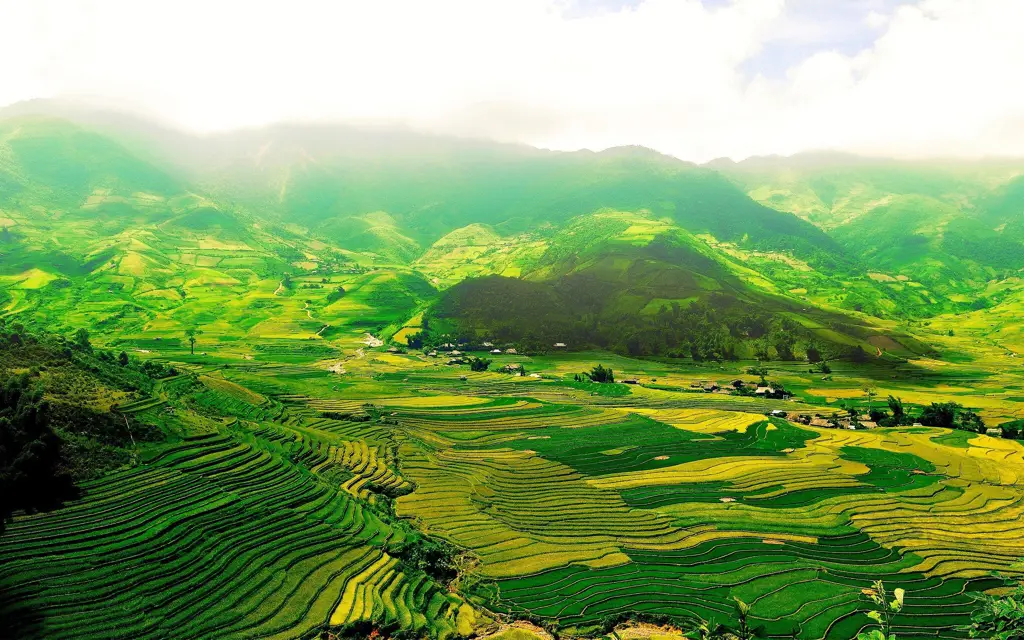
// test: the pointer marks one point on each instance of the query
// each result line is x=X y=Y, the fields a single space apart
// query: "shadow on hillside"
x=18 y=619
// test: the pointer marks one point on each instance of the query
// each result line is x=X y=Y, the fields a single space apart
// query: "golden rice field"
x=289 y=514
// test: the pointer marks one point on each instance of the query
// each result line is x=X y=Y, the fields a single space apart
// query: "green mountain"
x=217 y=350
x=128 y=228
x=949 y=228
x=643 y=286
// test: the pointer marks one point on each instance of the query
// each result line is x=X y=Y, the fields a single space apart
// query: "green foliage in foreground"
x=31 y=474
x=883 y=612
x=999 y=617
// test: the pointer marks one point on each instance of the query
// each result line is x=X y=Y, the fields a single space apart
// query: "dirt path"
x=280 y=288
x=358 y=355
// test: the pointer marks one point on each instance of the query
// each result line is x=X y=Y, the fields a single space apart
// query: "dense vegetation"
x=318 y=382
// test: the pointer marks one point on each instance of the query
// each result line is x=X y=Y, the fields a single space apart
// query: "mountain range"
x=131 y=229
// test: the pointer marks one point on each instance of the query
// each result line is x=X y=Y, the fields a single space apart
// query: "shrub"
x=479 y=364
x=998 y=617
x=601 y=374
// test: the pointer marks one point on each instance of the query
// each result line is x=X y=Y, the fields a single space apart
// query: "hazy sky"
x=695 y=78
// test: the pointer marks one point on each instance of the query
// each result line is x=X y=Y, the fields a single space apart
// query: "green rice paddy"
x=285 y=513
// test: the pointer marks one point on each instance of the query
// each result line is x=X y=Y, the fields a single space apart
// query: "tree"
x=813 y=354
x=970 y=420
x=122 y=359
x=1012 y=430
x=940 y=414
x=883 y=612
x=191 y=334
x=336 y=295
x=81 y=339
x=31 y=460
x=760 y=370
x=870 y=393
x=998 y=617
x=479 y=364
x=899 y=416
x=601 y=374
x=761 y=349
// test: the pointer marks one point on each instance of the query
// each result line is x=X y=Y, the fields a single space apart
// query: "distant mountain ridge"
x=115 y=222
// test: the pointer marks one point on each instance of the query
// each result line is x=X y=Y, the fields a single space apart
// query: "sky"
x=698 y=79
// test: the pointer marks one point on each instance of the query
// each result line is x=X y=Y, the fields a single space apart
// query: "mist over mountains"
x=822 y=247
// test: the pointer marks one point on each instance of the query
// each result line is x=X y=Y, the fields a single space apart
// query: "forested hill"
x=392 y=191
x=953 y=226
x=127 y=228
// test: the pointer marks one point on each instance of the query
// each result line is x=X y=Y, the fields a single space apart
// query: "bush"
x=601 y=374
x=998 y=617
x=436 y=558
x=479 y=364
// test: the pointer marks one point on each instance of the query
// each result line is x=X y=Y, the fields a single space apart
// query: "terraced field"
x=259 y=531
x=581 y=513
x=290 y=511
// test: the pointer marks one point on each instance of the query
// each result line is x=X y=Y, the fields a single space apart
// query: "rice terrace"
x=412 y=346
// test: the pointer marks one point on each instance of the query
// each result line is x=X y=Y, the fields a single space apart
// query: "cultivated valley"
x=317 y=381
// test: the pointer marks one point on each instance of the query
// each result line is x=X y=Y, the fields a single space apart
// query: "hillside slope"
x=316 y=231
x=950 y=228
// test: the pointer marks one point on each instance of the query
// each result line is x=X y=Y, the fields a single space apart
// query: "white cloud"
x=940 y=78
x=876 y=20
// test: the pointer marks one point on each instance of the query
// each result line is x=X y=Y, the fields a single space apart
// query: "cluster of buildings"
x=776 y=392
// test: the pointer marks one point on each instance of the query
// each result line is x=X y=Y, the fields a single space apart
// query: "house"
x=868 y=424
x=917 y=424
x=818 y=421
x=495 y=351
x=432 y=354
x=995 y=432
x=488 y=344
x=559 y=345
x=511 y=352
x=778 y=413
x=697 y=385
x=631 y=381
x=772 y=392
x=456 y=353
x=392 y=349
x=711 y=387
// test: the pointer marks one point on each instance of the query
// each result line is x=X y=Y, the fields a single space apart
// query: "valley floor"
x=291 y=506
